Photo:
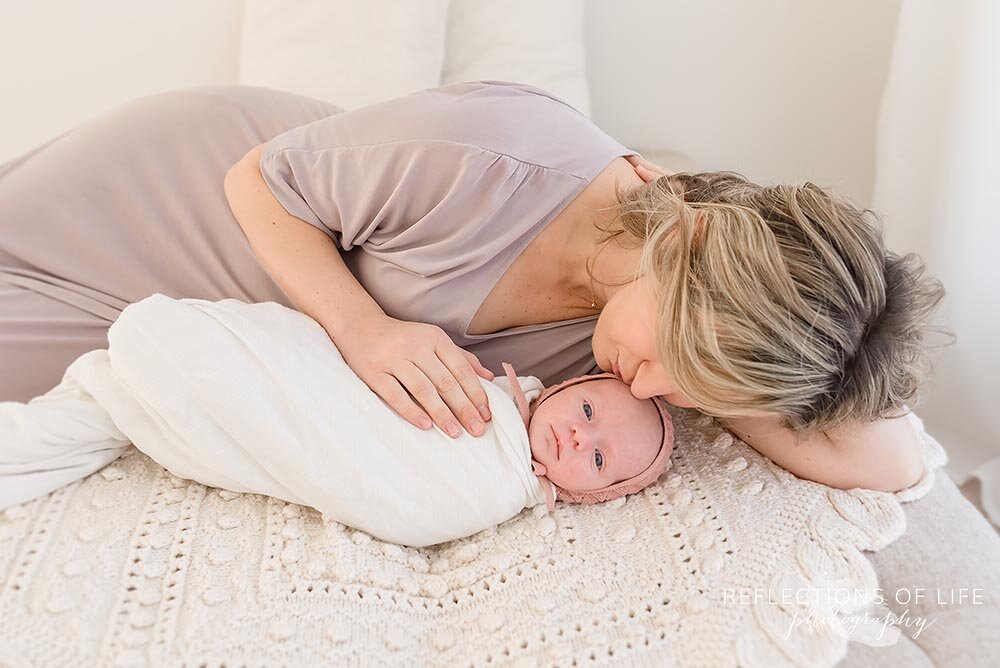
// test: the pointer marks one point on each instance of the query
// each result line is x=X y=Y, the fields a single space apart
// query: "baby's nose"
x=579 y=437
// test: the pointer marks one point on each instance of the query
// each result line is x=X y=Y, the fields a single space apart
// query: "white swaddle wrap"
x=256 y=398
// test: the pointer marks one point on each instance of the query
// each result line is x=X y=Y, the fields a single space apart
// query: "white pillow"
x=525 y=41
x=345 y=52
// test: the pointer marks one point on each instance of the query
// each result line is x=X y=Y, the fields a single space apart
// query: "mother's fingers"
x=425 y=392
x=393 y=393
x=454 y=389
x=646 y=175
x=647 y=171
x=469 y=399
x=651 y=166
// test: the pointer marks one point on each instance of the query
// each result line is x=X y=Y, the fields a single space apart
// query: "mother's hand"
x=394 y=357
x=646 y=170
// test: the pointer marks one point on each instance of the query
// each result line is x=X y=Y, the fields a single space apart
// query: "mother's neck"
x=612 y=263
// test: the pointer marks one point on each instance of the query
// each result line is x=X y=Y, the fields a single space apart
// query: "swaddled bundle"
x=255 y=398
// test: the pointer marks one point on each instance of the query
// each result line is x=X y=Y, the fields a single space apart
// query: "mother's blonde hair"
x=778 y=299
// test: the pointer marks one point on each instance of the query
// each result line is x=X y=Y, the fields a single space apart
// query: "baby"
x=255 y=398
x=592 y=439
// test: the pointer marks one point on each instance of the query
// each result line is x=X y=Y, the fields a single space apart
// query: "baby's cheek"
x=566 y=476
x=585 y=478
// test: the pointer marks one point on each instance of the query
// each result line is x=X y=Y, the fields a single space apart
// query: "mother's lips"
x=616 y=368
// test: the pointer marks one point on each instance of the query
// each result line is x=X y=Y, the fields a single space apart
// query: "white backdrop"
x=779 y=90
x=937 y=185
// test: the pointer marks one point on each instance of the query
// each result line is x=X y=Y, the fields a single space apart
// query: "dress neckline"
x=521 y=329
x=515 y=251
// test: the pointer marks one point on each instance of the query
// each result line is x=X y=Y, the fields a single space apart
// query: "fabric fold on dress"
x=95 y=302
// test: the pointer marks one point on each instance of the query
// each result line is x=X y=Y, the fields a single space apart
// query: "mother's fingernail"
x=484 y=412
x=452 y=428
x=477 y=427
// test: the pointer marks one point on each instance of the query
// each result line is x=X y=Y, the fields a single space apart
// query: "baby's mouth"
x=558 y=444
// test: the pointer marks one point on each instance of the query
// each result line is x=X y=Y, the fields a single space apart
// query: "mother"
x=437 y=234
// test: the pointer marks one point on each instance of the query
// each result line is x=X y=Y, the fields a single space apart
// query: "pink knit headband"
x=631 y=485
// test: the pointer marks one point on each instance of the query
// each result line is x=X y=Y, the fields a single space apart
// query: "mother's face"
x=624 y=344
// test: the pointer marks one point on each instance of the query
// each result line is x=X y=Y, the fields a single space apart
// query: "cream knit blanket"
x=133 y=566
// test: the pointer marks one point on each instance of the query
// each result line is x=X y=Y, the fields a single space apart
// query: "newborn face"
x=594 y=434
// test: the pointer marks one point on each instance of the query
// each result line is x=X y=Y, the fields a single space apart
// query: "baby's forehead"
x=607 y=385
x=612 y=394
x=618 y=396
x=636 y=423
x=611 y=389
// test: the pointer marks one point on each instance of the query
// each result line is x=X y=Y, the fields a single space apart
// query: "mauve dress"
x=430 y=196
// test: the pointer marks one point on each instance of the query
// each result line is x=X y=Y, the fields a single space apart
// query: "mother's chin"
x=677 y=399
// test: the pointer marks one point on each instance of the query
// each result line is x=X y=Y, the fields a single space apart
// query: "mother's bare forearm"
x=300 y=258
x=882 y=455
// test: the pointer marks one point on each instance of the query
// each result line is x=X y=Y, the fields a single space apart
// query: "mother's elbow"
x=907 y=471
x=885 y=455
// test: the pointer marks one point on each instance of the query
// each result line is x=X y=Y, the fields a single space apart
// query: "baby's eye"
x=588 y=410
x=598 y=459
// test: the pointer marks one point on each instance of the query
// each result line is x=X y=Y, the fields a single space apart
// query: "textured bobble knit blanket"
x=135 y=567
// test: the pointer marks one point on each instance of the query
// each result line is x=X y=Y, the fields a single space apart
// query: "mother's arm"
x=883 y=455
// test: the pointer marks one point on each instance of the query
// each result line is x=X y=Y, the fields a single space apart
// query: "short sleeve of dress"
x=368 y=193
x=387 y=173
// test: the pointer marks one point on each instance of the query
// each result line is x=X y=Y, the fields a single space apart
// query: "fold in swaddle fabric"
x=256 y=398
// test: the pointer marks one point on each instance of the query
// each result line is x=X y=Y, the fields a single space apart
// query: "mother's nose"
x=647 y=385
